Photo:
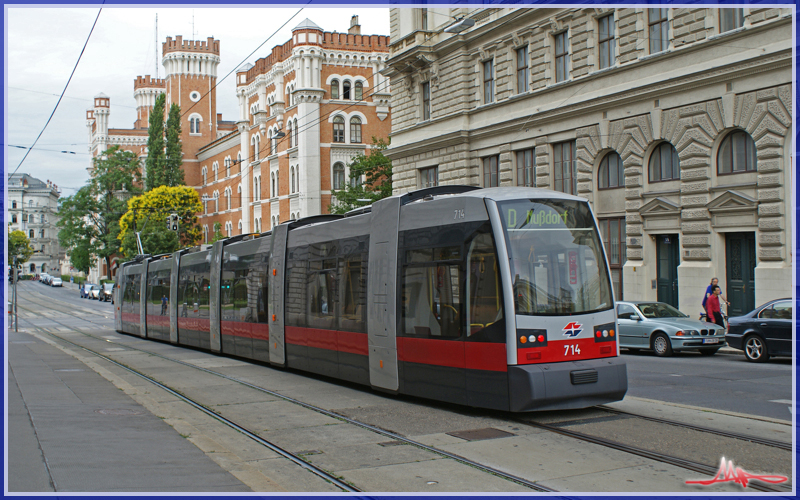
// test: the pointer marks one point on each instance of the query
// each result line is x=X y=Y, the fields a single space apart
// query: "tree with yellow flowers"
x=150 y=212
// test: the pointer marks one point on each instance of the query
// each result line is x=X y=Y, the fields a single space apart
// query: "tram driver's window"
x=483 y=285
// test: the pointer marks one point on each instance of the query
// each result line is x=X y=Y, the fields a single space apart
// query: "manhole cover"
x=480 y=434
x=119 y=412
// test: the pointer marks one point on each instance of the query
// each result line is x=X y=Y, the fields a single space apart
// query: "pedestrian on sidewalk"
x=709 y=292
x=712 y=307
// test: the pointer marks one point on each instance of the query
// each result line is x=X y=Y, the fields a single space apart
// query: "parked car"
x=664 y=329
x=763 y=332
x=86 y=290
x=56 y=281
x=107 y=292
x=43 y=278
x=94 y=293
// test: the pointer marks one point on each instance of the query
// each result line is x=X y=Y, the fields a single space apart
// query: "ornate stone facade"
x=706 y=87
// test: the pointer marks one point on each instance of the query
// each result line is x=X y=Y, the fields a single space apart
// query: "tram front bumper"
x=567 y=385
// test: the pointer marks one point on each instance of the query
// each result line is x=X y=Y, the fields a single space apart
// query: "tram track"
x=383 y=432
x=641 y=452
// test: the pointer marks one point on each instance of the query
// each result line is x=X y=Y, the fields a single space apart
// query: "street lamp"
x=460 y=25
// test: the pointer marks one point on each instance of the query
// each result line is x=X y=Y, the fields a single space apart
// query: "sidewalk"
x=70 y=430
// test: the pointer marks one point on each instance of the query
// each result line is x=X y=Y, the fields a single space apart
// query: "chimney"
x=355 y=28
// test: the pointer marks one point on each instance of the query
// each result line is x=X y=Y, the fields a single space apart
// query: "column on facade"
x=244 y=137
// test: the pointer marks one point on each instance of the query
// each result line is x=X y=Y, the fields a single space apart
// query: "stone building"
x=674 y=123
x=32 y=207
x=304 y=112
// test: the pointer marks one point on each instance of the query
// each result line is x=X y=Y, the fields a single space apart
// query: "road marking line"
x=781 y=401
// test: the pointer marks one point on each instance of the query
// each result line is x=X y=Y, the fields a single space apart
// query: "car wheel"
x=661 y=345
x=755 y=349
x=709 y=352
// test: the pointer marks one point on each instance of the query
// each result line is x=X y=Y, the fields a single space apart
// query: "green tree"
x=217 y=233
x=151 y=211
x=81 y=258
x=173 y=173
x=154 y=165
x=20 y=246
x=370 y=180
x=89 y=219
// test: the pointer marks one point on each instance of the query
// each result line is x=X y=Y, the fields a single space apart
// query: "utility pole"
x=16 y=314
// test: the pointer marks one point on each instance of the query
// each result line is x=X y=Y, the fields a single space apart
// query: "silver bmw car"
x=664 y=329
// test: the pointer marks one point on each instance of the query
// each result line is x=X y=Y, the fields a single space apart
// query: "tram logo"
x=572 y=329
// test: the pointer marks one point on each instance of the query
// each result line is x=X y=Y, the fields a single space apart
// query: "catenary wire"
x=62 y=92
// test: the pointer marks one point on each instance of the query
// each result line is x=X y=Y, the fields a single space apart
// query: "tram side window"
x=485 y=307
x=158 y=287
x=243 y=290
x=322 y=299
x=296 y=288
x=354 y=302
x=194 y=291
x=431 y=293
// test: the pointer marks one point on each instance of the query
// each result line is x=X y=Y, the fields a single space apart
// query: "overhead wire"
x=62 y=92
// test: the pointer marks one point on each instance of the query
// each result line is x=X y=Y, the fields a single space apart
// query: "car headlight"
x=690 y=332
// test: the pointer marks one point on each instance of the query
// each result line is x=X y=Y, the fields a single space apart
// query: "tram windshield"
x=555 y=255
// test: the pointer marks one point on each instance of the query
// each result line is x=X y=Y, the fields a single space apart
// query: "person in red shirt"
x=712 y=306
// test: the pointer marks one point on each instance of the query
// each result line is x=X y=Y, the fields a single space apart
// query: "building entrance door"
x=740 y=257
x=668 y=257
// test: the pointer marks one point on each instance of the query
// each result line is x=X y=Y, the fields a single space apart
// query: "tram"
x=496 y=298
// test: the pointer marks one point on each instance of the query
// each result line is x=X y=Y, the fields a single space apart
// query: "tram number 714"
x=573 y=348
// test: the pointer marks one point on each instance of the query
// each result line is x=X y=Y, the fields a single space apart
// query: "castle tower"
x=191 y=78
x=145 y=91
x=97 y=123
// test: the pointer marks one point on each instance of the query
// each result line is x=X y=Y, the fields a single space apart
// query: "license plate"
x=711 y=341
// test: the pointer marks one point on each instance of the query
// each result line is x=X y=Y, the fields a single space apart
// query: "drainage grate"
x=583 y=377
x=480 y=434
x=119 y=412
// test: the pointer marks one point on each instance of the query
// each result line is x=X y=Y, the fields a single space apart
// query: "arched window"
x=30 y=203
x=296 y=141
x=291 y=173
x=611 y=172
x=334 y=89
x=30 y=218
x=274 y=193
x=228 y=167
x=204 y=172
x=205 y=233
x=338 y=129
x=216 y=201
x=273 y=143
x=42 y=218
x=664 y=163
x=338 y=175
x=255 y=188
x=240 y=226
x=239 y=158
x=194 y=125
x=736 y=154
x=358 y=91
x=297 y=179
x=289 y=132
x=228 y=197
x=346 y=91
x=215 y=169
x=254 y=142
x=355 y=130
x=30 y=233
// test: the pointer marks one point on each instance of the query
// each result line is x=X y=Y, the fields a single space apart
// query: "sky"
x=43 y=45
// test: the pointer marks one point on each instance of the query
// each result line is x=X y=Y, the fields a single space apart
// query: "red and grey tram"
x=496 y=298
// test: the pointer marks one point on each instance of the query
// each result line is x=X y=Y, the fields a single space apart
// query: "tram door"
x=668 y=257
x=740 y=256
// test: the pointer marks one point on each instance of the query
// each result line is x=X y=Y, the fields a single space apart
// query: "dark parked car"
x=86 y=290
x=764 y=332
x=107 y=292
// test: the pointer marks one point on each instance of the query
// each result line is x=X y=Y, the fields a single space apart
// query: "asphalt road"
x=725 y=381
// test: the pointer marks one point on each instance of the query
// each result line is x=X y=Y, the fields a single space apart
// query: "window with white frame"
x=215 y=169
x=522 y=69
x=194 y=125
x=490 y=173
x=334 y=89
x=296 y=141
x=272 y=183
x=216 y=201
x=355 y=130
x=429 y=177
x=526 y=167
x=358 y=90
x=606 y=42
x=346 y=90
x=730 y=19
x=291 y=176
x=228 y=166
x=289 y=133
x=228 y=194
x=610 y=175
x=562 y=56
x=488 y=81
x=338 y=176
x=338 y=129
x=204 y=173
x=658 y=29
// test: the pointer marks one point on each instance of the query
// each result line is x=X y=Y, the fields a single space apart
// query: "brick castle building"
x=304 y=112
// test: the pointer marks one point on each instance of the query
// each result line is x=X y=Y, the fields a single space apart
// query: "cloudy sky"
x=43 y=44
